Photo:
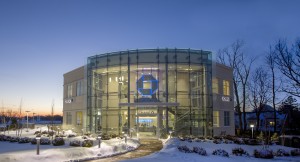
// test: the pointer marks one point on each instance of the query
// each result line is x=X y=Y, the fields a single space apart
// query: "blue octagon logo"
x=147 y=85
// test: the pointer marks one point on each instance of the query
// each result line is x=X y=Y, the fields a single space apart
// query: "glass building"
x=150 y=92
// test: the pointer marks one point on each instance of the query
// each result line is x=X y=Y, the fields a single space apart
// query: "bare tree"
x=288 y=62
x=270 y=61
x=235 y=58
x=259 y=89
x=52 y=113
x=244 y=73
x=3 y=115
x=231 y=58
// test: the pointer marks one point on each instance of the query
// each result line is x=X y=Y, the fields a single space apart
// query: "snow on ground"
x=26 y=152
x=170 y=153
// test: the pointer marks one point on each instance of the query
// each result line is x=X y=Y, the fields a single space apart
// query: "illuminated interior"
x=150 y=91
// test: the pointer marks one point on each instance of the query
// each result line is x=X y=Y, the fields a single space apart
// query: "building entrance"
x=146 y=121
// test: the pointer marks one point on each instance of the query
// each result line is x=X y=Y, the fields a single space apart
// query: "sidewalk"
x=148 y=146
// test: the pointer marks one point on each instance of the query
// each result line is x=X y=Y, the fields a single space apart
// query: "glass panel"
x=69 y=90
x=124 y=58
x=102 y=61
x=69 y=118
x=172 y=82
x=215 y=86
x=79 y=118
x=172 y=57
x=183 y=57
x=226 y=118
x=196 y=58
x=113 y=60
x=216 y=118
x=133 y=57
x=186 y=83
x=226 y=88
x=145 y=57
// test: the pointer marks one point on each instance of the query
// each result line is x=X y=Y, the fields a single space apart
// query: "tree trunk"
x=257 y=122
x=238 y=107
x=273 y=99
x=244 y=107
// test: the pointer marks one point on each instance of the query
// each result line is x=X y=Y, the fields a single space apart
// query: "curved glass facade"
x=150 y=92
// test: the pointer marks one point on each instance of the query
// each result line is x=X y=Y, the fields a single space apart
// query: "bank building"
x=149 y=93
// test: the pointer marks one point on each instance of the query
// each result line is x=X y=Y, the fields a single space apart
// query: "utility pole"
x=20 y=118
x=3 y=117
x=33 y=117
x=27 y=119
x=52 y=112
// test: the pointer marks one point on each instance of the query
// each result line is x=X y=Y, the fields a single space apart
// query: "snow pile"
x=69 y=133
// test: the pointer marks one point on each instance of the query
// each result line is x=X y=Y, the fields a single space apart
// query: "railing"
x=183 y=116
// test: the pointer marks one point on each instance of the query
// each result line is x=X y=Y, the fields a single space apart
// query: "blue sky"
x=40 y=40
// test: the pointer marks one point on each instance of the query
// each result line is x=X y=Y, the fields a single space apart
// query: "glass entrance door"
x=147 y=122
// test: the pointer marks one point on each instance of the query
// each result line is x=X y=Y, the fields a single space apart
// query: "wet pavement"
x=148 y=146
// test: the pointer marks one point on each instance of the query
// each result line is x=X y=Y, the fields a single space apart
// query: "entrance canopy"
x=150 y=104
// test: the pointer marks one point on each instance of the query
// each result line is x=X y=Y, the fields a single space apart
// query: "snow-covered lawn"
x=26 y=152
x=170 y=153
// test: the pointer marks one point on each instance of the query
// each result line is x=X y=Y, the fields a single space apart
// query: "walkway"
x=148 y=146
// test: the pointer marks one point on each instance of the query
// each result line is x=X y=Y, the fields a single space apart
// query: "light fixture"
x=37 y=144
x=252 y=126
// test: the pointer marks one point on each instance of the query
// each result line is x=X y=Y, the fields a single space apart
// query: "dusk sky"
x=40 y=40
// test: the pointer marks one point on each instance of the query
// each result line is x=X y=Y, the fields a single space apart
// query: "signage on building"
x=147 y=85
x=226 y=99
x=147 y=112
x=70 y=100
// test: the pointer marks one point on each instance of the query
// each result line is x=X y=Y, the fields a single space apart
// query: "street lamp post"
x=99 y=140
x=38 y=145
x=27 y=119
x=125 y=135
x=33 y=117
x=252 y=126
x=170 y=133
x=270 y=127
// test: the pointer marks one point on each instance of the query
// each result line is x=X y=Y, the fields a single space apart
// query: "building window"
x=215 y=85
x=216 y=118
x=226 y=118
x=79 y=88
x=226 y=88
x=79 y=118
x=69 y=118
x=69 y=90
